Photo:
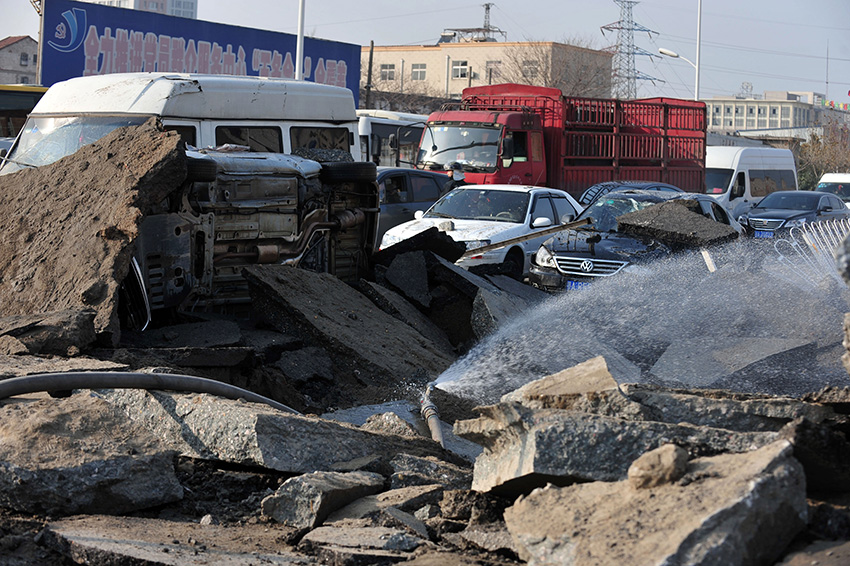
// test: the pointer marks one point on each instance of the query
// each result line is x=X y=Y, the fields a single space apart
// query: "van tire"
x=342 y=171
x=201 y=170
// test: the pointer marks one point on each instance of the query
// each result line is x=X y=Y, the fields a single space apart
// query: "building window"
x=460 y=69
x=24 y=81
x=417 y=72
x=530 y=69
x=25 y=59
x=34 y=58
x=388 y=72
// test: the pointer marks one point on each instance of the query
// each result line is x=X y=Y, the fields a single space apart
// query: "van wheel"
x=201 y=170
x=342 y=171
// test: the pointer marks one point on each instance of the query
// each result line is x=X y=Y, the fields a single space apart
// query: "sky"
x=773 y=45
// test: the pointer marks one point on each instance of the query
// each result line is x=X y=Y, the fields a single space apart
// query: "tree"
x=386 y=94
x=827 y=152
x=571 y=65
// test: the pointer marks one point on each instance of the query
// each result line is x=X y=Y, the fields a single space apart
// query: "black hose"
x=66 y=381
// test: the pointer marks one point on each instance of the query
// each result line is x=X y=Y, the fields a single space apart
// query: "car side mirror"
x=3 y=152
x=541 y=222
x=569 y=217
x=418 y=214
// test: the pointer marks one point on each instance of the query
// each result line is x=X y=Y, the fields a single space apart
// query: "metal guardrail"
x=807 y=253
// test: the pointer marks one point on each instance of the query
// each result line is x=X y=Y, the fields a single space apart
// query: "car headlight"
x=797 y=222
x=544 y=258
x=473 y=244
x=742 y=220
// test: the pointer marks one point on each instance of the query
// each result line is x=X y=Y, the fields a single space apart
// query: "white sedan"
x=481 y=215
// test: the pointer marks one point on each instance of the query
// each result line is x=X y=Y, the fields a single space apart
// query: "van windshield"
x=46 y=139
x=717 y=180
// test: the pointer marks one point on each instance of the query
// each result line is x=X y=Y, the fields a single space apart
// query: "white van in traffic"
x=837 y=184
x=739 y=177
x=265 y=114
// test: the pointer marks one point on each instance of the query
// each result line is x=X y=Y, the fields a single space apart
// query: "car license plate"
x=571 y=285
x=763 y=234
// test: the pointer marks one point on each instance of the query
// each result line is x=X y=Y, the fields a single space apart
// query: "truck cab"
x=492 y=147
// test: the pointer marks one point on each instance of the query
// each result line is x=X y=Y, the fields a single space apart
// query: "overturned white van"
x=290 y=187
x=263 y=114
x=739 y=177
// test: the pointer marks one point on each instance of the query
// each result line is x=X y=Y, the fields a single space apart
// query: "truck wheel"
x=201 y=170
x=342 y=171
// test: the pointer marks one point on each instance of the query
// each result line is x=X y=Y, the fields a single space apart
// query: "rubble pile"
x=580 y=465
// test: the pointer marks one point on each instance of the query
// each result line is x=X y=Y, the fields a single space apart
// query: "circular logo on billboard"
x=586 y=266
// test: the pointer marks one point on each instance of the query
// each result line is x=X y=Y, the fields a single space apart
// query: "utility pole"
x=625 y=75
x=368 y=87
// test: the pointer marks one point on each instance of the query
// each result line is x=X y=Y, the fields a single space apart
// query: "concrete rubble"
x=588 y=465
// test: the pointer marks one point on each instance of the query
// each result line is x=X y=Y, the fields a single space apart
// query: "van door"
x=739 y=195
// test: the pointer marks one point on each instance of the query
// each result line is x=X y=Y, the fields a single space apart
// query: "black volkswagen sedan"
x=571 y=259
x=783 y=210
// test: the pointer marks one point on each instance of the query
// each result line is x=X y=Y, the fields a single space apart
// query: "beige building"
x=775 y=110
x=442 y=71
x=18 y=60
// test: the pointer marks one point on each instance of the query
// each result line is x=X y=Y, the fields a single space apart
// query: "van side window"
x=188 y=134
x=258 y=138
x=789 y=181
x=759 y=183
x=318 y=138
x=425 y=189
x=394 y=189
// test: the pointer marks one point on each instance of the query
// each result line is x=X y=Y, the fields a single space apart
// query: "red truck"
x=520 y=134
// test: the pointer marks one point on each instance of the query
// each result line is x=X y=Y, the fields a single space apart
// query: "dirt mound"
x=76 y=252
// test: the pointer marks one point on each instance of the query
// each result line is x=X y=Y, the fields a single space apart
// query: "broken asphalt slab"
x=732 y=509
x=97 y=462
x=676 y=224
x=107 y=541
x=376 y=346
x=209 y=427
x=525 y=448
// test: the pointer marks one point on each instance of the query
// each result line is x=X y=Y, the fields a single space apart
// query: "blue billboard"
x=80 y=39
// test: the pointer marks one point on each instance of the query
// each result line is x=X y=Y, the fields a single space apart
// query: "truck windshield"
x=46 y=139
x=717 y=181
x=476 y=148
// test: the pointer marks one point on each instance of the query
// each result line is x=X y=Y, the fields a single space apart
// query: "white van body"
x=739 y=177
x=268 y=115
x=376 y=127
x=837 y=184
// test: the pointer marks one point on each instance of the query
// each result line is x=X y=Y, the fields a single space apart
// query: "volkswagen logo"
x=586 y=266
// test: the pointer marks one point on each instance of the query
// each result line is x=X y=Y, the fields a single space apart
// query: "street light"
x=675 y=55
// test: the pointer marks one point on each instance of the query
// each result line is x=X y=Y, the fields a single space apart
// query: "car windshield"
x=604 y=212
x=795 y=200
x=482 y=204
x=476 y=148
x=46 y=139
x=717 y=180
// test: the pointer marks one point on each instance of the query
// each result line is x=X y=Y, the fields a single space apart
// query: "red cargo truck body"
x=519 y=134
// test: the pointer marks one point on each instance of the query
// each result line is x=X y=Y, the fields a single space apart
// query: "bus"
x=376 y=127
x=16 y=102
